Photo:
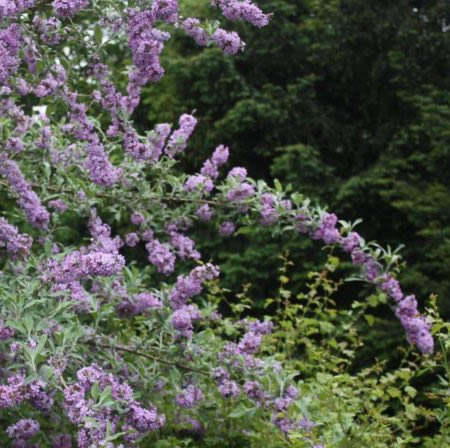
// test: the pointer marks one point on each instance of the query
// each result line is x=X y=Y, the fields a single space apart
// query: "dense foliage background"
x=347 y=101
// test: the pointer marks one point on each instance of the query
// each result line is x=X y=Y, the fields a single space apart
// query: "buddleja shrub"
x=98 y=350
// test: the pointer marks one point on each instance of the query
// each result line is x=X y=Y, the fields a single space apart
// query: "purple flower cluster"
x=77 y=266
x=211 y=166
x=228 y=41
x=204 y=212
x=14 y=145
x=189 y=286
x=228 y=389
x=131 y=239
x=101 y=171
x=157 y=139
x=5 y=332
x=146 y=46
x=198 y=182
x=81 y=411
x=12 y=393
x=240 y=190
x=69 y=8
x=23 y=429
x=159 y=255
x=178 y=140
x=144 y=420
x=10 y=42
x=16 y=392
x=38 y=396
x=182 y=320
x=137 y=218
x=417 y=328
x=189 y=397
x=255 y=391
x=327 y=231
x=165 y=10
x=50 y=84
x=240 y=354
x=227 y=228
x=59 y=205
x=29 y=202
x=269 y=214
x=243 y=10
x=237 y=172
x=11 y=8
x=184 y=246
x=138 y=304
x=281 y=406
x=17 y=245
x=48 y=29
x=192 y=28
x=135 y=148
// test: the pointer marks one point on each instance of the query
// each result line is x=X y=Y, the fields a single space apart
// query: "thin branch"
x=107 y=196
x=149 y=356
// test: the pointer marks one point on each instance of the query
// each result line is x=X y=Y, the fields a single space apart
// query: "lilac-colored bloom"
x=159 y=255
x=145 y=420
x=139 y=303
x=147 y=235
x=228 y=388
x=243 y=10
x=391 y=286
x=199 y=182
x=237 y=172
x=228 y=41
x=14 y=145
x=259 y=327
x=227 y=228
x=76 y=266
x=417 y=328
x=204 y=212
x=250 y=343
x=17 y=245
x=36 y=213
x=220 y=155
x=38 y=396
x=192 y=28
x=351 y=242
x=10 y=42
x=59 y=205
x=177 y=141
x=184 y=246
x=165 y=10
x=137 y=218
x=241 y=192
x=5 y=332
x=23 y=429
x=254 y=390
x=131 y=239
x=327 y=231
x=69 y=8
x=306 y=425
x=220 y=374
x=182 y=322
x=157 y=140
x=189 y=397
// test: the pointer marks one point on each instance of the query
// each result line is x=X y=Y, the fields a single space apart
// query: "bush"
x=111 y=324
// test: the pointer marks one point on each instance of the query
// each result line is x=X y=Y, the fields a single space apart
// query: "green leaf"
x=370 y=319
